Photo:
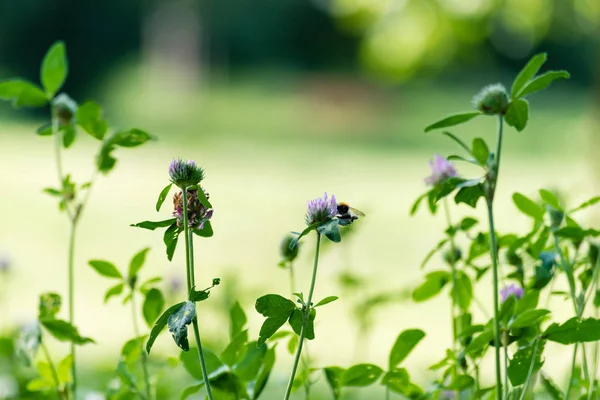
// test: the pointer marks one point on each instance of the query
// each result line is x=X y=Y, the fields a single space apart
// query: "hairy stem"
x=144 y=357
x=189 y=250
x=71 y=264
x=454 y=275
x=305 y=317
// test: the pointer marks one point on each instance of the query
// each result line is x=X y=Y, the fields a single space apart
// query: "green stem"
x=506 y=388
x=144 y=357
x=71 y=264
x=531 y=367
x=497 y=343
x=573 y=363
x=387 y=393
x=454 y=276
x=491 y=190
x=292 y=280
x=567 y=269
x=61 y=394
x=477 y=383
x=305 y=316
x=71 y=249
x=189 y=250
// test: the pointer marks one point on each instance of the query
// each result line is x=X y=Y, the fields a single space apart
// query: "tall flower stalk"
x=305 y=317
x=512 y=109
x=191 y=283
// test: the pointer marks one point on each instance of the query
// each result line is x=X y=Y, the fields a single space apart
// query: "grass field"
x=265 y=155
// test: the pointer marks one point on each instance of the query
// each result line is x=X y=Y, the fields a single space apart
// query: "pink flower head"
x=441 y=169
x=321 y=209
x=511 y=290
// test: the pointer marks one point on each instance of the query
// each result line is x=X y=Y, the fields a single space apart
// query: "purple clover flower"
x=441 y=169
x=511 y=290
x=321 y=209
x=185 y=173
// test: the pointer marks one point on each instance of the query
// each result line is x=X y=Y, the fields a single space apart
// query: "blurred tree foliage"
x=404 y=37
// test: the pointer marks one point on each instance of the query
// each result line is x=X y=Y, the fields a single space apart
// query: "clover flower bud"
x=321 y=210
x=441 y=169
x=287 y=254
x=451 y=256
x=185 y=173
x=492 y=100
x=554 y=217
x=65 y=108
x=511 y=290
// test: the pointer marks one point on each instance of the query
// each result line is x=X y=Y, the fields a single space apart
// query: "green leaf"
x=40 y=384
x=272 y=305
x=263 y=374
x=137 y=261
x=326 y=300
x=105 y=268
x=170 y=238
x=541 y=82
x=214 y=366
x=405 y=343
x=480 y=151
x=64 y=370
x=270 y=326
x=361 y=375
x=133 y=349
x=131 y=138
x=305 y=232
x=89 y=116
x=178 y=322
x=469 y=195
x=22 y=93
x=154 y=303
x=206 y=231
x=44 y=130
x=550 y=199
x=464 y=291
x=68 y=135
x=333 y=376
x=452 y=120
x=296 y=323
x=480 y=341
x=152 y=225
x=160 y=324
x=162 y=196
x=237 y=320
x=55 y=68
x=528 y=207
x=574 y=331
x=125 y=375
x=552 y=388
x=433 y=285
x=528 y=318
x=586 y=204
x=527 y=73
x=518 y=368
x=398 y=381
x=331 y=230
x=458 y=141
x=114 y=291
x=236 y=349
x=49 y=305
x=248 y=368
x=517 y=114
x=64 y=331
x=190 y=390
x=529 y=301
x=417 y=202
x=105 y=162
x=199 y=295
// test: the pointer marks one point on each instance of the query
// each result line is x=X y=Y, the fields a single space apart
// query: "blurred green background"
x=280 y=101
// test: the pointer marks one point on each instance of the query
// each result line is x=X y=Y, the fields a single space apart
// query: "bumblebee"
x=348 y=214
